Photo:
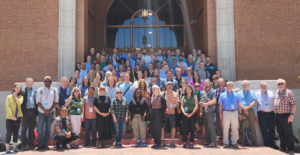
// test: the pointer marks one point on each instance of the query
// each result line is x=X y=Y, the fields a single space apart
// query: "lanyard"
x=265 y=97
x=48 y=92
x=246 y=96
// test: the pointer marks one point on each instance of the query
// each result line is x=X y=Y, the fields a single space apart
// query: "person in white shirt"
x=46 y=98
x=266 y=115
x=146 y=57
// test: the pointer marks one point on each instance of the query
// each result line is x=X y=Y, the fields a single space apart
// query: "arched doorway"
x=163 y=27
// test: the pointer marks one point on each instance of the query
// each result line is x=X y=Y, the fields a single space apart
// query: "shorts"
x=171 y=120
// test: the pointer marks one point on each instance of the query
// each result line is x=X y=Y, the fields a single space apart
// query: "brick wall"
x=267 y=40
x=81 y=29
x=28 y=41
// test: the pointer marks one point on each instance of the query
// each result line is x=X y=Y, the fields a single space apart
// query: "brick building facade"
x=266 y=36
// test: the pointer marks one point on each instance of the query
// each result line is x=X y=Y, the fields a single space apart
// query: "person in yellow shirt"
x=13 y=116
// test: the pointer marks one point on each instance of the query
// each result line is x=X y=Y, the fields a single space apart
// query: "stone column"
x=66 y=38
x=225 y=38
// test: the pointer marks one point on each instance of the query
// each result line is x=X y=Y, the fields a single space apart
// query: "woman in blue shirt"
x=85 y=84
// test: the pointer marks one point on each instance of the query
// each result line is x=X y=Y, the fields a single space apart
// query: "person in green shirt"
x=103 y=62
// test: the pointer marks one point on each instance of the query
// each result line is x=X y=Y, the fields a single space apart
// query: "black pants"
x=267 y=122
x=61 y=138
x=12 y=128
x=285 y=131
x=103 y=127
x=28 y=122
x=156 y=123
x=188 y=125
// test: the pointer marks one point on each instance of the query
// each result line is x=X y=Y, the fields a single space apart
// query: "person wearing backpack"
x=29 y=110
x=13 y=116
x=47 y=98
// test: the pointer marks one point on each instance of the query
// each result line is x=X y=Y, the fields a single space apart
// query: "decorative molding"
x=225 y=38
x=66 y=38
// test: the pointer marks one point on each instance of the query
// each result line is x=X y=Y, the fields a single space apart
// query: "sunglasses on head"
x=119 y=92
x=280 y=84
x=48 y=81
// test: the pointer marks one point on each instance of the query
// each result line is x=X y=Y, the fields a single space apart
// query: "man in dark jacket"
x=29 y=110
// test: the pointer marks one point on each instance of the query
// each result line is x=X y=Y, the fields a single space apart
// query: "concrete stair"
x=128 y=139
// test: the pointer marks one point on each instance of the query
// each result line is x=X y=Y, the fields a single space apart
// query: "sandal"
x=74 y=146
x=212 y=145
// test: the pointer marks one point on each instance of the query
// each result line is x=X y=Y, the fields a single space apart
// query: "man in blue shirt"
x=160 y=57
x=248 y=100
x=163 y=72
x=219 y=91
x=64 y=93
x=137 y=51
x=178 y=54
x=131 y=61
x=211 y=68
x=128 y=94
x=83 y=71
x=171 y=58
x=229 y=110
x=93 y=55
x=158 y=79
x=88 y=63
x=125 y=54
x=143 y=65
x=169 y=78
x=183 y=72
x=180 y=62
x=115 y=51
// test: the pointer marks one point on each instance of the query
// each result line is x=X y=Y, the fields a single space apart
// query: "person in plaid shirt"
x=119 y=112
x=172 y=100
x=63 y=129
x=285 y=106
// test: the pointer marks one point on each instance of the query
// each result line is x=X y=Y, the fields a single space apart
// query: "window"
x=126 y=27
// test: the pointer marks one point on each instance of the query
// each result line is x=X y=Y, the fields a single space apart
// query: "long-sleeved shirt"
x=119 y=108
x=12 y=106
x=284 y=101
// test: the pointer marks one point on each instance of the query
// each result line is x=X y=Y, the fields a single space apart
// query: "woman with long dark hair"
x=13 y=116
x=197 y=79
x=189 y=107
x=146 y=77
x=136 y=70
x=151 y=69
x=138 y=109
x=102 y=108
x=129 y=71
x=84 y=84
x=157 y=115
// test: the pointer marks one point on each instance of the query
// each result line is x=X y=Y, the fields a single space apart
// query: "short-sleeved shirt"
x=46 y=97
x=59 y=122
x=89 y=112
x=211 y=69
x=218 y=93
x=229 y=101
x=247 y=98
x=75 y=107
x=171 y=99
x=174 y=82
x=211 y=94
x=265 y=102
x=283 y=101
x=129 y=94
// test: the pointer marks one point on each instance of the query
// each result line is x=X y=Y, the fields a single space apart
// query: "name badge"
x=171 y=105
x=185 y=109
x=232 y=107
x=266 y=103
x=78 y=109
x=31 y=99
x=244 y=105
x=91 y=109
x=45 y=102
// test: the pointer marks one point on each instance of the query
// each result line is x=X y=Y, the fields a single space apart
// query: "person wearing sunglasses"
x=47 y=99
x=63 y=133
x=119 y=112
x=121 y=80
x=285 y=107
x=157 y=115
x=248 y=100
x=174 y=65
x=75 y=105
x=83 y=71
x=89 y=116
x=13 y=116
x=102 y=108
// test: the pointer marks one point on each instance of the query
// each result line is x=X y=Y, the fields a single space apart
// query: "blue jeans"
x=120 y=128
x=90 y=123
x=44 y=120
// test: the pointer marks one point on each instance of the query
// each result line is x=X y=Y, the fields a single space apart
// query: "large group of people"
x=154 y=92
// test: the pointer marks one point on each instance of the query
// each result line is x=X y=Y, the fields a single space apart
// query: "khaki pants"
x=139 y=127
x=251 y=119
x=230 y=118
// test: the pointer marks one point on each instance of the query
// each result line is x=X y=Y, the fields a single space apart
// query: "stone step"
x=148 y=136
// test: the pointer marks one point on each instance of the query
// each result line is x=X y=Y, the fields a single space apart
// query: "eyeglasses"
x=76 y=90
x=183 y=82
x=174 y=60
x=129 y=69
x=138 y=93
x=119 y=92
x=64 y=110
x=47 y=81
x=153 y=81
x=121 y=76
x=280 y=84
x=197 y=86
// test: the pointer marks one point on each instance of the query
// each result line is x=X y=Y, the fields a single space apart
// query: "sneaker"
x=164 y=143
x=225 y=146
x=291 y=153
x=39 y=148
x=153 y=146
x=115 y=143
x=184 y=145
x=7 y=151
x=144 y=144
x=255 y=144
x=172 y=143
x=85 y=145
x=235 y=146
x=24 y=148
x=30 y=147
x=137 y=144
x=119 y=145
x=46 y=147
x=16 y=150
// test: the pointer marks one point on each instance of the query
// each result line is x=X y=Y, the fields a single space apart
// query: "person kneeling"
x=63 y=130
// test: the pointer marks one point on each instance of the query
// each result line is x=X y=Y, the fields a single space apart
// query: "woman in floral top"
x=74 y=103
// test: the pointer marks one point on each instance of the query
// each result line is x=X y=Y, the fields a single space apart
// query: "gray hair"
x=229 y=82
x=29 y=79
x=246 y=81
x=281 y=80
x=263 y=82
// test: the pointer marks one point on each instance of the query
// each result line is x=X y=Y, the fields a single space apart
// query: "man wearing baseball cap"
x=172 y=100
x=47 y=98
